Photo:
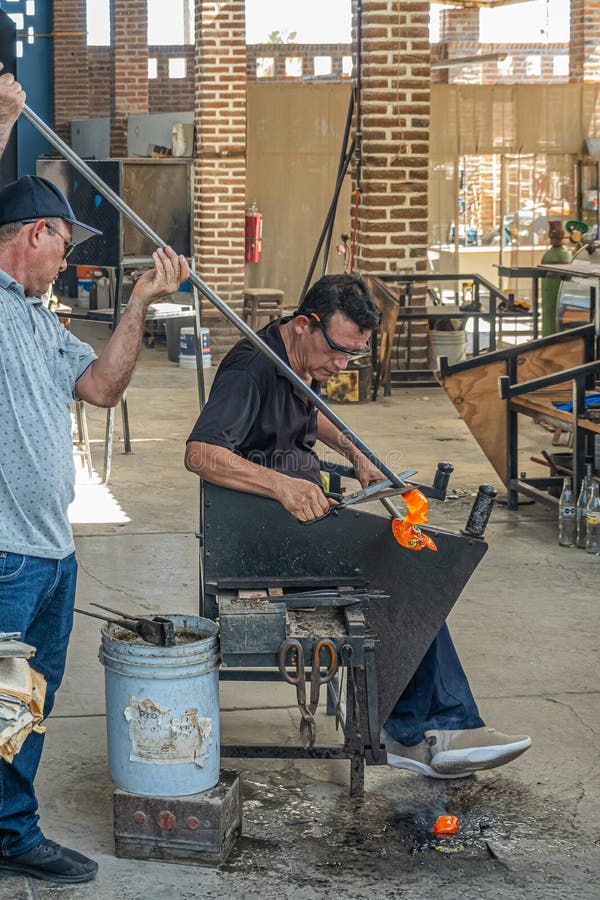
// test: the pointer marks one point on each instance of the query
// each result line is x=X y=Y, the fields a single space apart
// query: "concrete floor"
x=526 y=629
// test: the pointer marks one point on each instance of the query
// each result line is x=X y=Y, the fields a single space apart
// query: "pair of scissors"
x=297 y=677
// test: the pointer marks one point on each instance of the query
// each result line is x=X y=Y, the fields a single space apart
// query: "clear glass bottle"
x=592 y=521
x=567 y=523
x=582 y=502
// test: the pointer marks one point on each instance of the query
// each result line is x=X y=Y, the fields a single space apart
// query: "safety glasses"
x=68 y=245
x=351 y=354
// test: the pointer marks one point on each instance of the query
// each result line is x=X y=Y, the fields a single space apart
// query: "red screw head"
x=192 y=823
x=139 y=817
x=166 y=820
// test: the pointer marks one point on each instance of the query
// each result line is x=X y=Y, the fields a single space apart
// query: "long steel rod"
x=210 y=295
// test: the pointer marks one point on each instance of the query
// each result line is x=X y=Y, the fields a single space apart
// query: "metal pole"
x=328 y=220
x=342 y=166
x=210 y=295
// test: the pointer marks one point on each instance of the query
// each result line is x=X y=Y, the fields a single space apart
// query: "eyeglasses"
x=351 y=354
x=68 y=245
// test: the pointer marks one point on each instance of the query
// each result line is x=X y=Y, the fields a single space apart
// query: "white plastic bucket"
x=452 y=344
x=187 y=348
x=83 y=292
x=162 y=709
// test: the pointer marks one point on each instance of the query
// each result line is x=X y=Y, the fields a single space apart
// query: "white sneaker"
x=414 y=759
x=473 y=749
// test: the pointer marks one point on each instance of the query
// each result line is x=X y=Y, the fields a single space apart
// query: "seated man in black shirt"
x=257 y=434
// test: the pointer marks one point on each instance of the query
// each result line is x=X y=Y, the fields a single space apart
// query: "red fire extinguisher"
x=254 y=226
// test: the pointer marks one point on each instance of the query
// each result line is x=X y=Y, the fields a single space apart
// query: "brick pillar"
x=70 y=52
x=129 y=81
x=584 y=48
x=394 y=123
x=220 y=158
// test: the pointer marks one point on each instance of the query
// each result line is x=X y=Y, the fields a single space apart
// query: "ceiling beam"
x=459 y=61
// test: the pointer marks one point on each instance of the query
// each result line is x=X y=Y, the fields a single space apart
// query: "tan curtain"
x=518 y=118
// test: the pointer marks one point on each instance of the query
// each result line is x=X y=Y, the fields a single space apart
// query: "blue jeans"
x=36 y=598
x=437 y=696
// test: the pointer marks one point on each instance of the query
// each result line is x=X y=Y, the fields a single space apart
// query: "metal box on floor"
x=198 y=830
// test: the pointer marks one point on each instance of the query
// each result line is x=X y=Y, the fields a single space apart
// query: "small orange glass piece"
x=405 y=530
x=416 y=507
x=411 y=536
x=446 y=825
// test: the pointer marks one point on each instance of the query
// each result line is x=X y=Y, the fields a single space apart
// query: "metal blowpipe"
x=216 y=301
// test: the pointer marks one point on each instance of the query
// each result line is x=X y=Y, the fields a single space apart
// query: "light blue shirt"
x=40 y=361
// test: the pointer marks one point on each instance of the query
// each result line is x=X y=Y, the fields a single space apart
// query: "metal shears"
x=297 y=677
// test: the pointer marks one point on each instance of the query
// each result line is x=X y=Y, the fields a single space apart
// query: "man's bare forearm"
x=223 y=467
x=333 y=438
x=365 y=471
x=301 y=498
x=12 y=100
x=105 y=381
x=5 y=131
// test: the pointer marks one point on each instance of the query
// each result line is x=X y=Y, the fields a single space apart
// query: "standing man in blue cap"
x=43 y=367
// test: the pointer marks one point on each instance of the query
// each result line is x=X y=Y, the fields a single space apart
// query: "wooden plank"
x=551 y=358
x=530 y=405
x=475 y=396
x=474 y=393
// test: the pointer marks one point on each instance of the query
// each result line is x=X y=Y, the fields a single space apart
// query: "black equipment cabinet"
x=159 y=190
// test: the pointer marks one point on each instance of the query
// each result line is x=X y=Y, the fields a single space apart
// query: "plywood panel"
x=551 y=358
x=474 y=393
x=475 y=396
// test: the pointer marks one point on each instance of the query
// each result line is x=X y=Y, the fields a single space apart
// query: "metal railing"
x=489 y=303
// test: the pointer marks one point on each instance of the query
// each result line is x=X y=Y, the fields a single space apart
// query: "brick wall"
x=305 y=54
x=71 y=86
x=129 y=87
x=394 y=123
x=220 y=161
x=394 y=107
x=585 y=40
x=100 y=78
x=166 y=94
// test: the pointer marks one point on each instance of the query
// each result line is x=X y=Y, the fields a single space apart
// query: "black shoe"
x=51 y=862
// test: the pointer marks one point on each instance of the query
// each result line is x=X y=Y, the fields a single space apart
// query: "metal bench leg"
x=357 y=775
x=108 y=444
x=83 y=435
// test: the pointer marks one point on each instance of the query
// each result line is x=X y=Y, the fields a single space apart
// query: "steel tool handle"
x=292 y=644
x=332 y=665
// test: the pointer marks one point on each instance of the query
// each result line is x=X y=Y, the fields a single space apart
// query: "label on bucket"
x=157 y=736
x=187 y=342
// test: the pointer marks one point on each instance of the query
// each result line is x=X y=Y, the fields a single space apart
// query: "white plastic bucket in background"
x=187 y=348
x=448 y=343
x=162 y=709
x=83 y=292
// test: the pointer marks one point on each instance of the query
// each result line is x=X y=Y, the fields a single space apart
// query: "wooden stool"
x=260 y=302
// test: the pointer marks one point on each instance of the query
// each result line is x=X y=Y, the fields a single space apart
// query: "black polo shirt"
x=256 y=413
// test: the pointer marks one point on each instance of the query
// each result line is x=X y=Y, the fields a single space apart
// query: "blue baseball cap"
x=31 y=197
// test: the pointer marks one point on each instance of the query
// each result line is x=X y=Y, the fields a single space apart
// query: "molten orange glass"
x=405 y=530
x=446 y=825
